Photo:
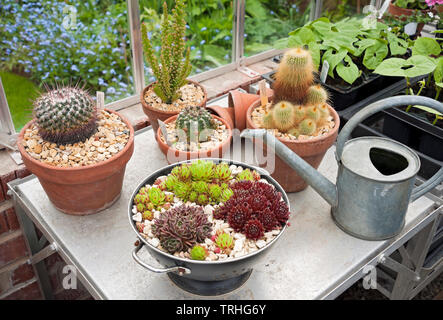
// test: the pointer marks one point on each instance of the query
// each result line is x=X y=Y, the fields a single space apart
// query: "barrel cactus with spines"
x=283 y=115
x=316 y=95
x=65 y=115
x=194 y=121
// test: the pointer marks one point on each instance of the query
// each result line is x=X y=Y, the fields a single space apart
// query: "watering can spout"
x=321 y=184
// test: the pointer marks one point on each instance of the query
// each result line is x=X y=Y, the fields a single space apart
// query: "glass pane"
x=267 y=21
x=208 y=31
x=49 y=42
x=336 y=10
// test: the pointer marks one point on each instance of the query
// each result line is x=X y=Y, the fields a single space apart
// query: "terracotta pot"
x=155 y=114
x=81 y=190
x=240 y=102
x=397 y=11
x=174 y=155
x=224 y=113
x=312 y=151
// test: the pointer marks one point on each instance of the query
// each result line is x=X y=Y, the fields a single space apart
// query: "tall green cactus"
x=173 y=66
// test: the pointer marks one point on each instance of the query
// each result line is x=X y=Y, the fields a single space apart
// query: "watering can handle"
x=386 y=104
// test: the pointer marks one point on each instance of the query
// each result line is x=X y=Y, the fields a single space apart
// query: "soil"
x=191 y=95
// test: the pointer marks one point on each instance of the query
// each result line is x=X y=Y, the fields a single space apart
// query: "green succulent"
x=198 y=253
x=171 y=181
x=215 y=192
x=245 y=175
x=224 y=241
x=200 y=187
x=222 y=172
x=156 y=196
x=202 y=170
x=141 y=207
x=182 y=189
x=226 y=194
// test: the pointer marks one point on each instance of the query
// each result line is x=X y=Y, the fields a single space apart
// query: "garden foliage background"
x=38 y=43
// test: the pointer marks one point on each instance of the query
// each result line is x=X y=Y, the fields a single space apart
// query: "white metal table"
x=314 y=259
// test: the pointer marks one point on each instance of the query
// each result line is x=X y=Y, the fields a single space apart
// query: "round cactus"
x=299 y=113
x=316 y=95
x=195 y=121
x=65 y=115
x=294 y=131
x=324 y=110
x=268 y=120
x=283 y=115
x=307 y=127
x=313 y=113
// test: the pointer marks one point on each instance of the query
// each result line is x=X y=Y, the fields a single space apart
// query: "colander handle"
x=179 y=270
x=386 y=104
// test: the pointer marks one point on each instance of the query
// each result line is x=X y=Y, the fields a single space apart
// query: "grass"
x=20 y=92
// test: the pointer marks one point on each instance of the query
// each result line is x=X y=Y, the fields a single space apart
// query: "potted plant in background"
x=172 y=92
x=353 y=48
x=414 y=9
x=419 y=127
x=77 y=152
x=194 y=133
x=298 y=116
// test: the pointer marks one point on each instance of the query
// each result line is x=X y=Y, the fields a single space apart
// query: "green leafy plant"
x=426 y=59
x=173 y=66
x=351 y=46
x=411 y=4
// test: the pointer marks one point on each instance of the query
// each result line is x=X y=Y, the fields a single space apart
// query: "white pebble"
x=137 y=217
x=208 y=242
x=154 y=242
x=156 y=215
x=238 y=246
x=209 y=209
x=260 y=244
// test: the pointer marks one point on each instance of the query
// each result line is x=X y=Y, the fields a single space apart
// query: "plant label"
x=324 y=71
x=100 y=100
x=162 y=126
x=411 y=28
x=263 y=96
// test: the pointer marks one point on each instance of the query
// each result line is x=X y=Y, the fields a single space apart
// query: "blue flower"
x=110 y=90
x=203 y=29
x=227 y=38
x=202 y=42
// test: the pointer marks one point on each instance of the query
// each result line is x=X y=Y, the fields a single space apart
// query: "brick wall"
x=17 y=277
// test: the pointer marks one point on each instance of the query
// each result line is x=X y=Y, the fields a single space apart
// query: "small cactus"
x=65 y=115
x=224 y=241
x=195 y=122
x=294 y=76
x=313 y=113
x=299 y=113
x=307 y=127
x=268 y=120
x=283 y=115
x=316 y=95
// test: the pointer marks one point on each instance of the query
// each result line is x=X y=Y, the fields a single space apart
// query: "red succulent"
x=254 y=229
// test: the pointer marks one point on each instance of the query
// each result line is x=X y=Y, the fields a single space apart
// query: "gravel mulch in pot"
x=191 y=95
x=111 y=137
x=257 y=115
x=217 y=136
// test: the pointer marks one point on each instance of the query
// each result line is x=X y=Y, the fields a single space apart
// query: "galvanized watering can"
x=376 y=176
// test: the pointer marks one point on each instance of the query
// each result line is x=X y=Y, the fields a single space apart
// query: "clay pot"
x=81 y=190
x=224 y=113
x=312 y=151
x=174 y=155
x=397 y=11
x=155 y=114
x=240 y=102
